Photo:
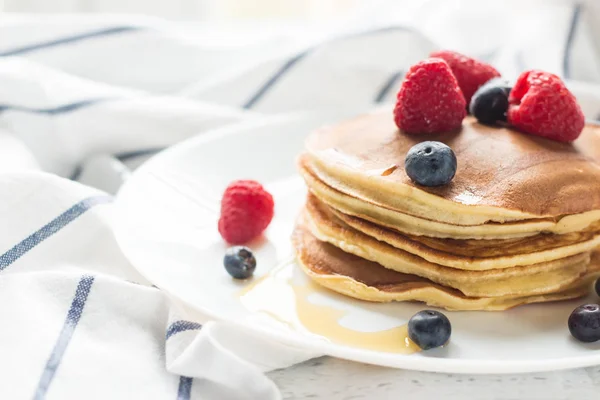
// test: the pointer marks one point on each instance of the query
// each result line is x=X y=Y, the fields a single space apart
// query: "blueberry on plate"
x=597 y=287
x=489 y=104
x=429 y=329
x=430 y=164
x=584 y=323
x=239 y=262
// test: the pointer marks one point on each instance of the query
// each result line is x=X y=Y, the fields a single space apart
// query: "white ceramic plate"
x=167 y=228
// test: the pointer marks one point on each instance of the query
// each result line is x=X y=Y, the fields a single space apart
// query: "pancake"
x=480 y=255
x=425 y=227
x=517 y=281
x=353 y=276
x=503 y=175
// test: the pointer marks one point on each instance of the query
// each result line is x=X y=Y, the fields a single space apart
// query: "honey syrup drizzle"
x=277 y=296
x=390 y=170
x=383 y=171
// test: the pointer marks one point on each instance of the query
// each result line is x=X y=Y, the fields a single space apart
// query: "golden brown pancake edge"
x=352 y=276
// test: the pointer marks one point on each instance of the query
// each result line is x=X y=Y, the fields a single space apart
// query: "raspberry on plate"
x=429 y=100
x=246 y=211
x=469 y=72
x=540 y=104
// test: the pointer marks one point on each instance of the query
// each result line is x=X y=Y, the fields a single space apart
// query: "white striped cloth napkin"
x=85 y=98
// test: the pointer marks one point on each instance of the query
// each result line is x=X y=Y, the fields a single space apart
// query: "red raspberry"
x=429 y=100
x=246 y=211
x=540 y=104
x=469 y=73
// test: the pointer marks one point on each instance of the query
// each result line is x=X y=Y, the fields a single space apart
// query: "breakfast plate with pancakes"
x=506 y=251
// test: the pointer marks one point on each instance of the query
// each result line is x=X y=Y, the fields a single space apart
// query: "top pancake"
x=503 y=175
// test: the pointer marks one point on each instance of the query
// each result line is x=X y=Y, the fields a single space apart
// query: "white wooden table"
x=327 y=378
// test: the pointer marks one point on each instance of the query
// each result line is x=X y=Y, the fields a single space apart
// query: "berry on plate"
x=597 y=287
x=584 y=323
x=246 y=211
x=489 y=104
x=469 y=72
x=430 y=164
x=541 y=104
x=429 y=100
x=239 y=262
x=429 y=329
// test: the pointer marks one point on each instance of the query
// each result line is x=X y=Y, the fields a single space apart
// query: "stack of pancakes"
x=519 y=223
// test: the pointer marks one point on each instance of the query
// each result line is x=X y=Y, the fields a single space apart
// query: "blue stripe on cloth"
x=181 y=326
x=50 y=229
x=294 y=60
x=575 y=17
x=274 y=78
x=68 y=39
x=138 y=153
x=66 y=333
x=122 y=157
x=76 y=173
x=54 y=110
x=184 y=391
x=388 y=85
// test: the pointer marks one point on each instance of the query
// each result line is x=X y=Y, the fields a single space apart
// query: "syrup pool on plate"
x=278 y=296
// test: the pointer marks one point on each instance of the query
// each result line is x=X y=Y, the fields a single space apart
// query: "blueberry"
x=597 y=287
x=584 y=323
x=430 y=164
x=490 y=102
x=429 y=329
x=239 y=262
